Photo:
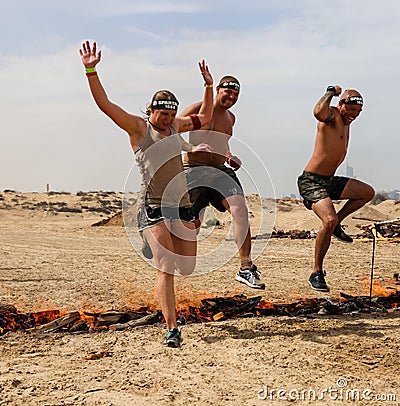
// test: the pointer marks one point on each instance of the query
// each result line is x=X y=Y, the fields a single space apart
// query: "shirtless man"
x=222 y=188
x=318 y=186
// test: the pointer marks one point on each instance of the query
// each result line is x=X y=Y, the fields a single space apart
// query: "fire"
x=46 y=316
x=265 y=305
x=187 y=298
x=132 y=297
x=193 y=307
x=190 y=305
x=378 y=289
x=11 y=319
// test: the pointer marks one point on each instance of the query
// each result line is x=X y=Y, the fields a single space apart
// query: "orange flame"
x=46 y=316
x=265 y=305
x=378 y=289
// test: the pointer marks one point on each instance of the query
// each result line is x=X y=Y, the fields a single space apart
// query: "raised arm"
x=323 y=111
x=192 y=109
x=134 y=125
x=196 y=120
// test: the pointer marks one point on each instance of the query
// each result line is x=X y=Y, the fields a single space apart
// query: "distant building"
x=394 y=194
x=349 y=171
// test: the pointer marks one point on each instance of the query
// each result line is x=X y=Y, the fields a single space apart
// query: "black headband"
x=353 y=100
x=165 y=104
x=230 y=85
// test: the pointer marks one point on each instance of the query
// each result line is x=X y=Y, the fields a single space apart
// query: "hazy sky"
x=285 y=53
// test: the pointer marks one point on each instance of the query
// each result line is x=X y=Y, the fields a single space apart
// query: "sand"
x=52 y=257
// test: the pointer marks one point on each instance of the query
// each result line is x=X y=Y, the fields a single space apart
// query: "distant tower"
x=349 y=170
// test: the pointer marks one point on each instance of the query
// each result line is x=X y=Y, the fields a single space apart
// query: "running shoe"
x=317 y=281
x=251 y=277
x=146 y=250
x=341 y=235
x=173 y=338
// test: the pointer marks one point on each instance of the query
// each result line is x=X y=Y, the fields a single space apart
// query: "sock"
x=246 y=264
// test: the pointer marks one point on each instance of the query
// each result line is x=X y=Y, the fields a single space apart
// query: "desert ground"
x=52 y=257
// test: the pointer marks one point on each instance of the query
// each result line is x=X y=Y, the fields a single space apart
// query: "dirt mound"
x=369 y=213
x=126 y=216
x=390 y=207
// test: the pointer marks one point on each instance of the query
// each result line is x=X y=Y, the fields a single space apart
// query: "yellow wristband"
x=206 y=85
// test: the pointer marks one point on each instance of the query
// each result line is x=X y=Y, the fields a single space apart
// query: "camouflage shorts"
x=314 y=187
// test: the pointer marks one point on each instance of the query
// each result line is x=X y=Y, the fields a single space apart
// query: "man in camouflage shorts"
x=319 y=186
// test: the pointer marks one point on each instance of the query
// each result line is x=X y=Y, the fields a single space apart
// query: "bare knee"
x=363 y=191
x=164 y=262
x=185 y=271
x=330 y=222
x=165 y=278
x=239 y=212
x=186 y=266
x=369 y=193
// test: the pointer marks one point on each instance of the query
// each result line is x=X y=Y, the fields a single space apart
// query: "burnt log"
x=57 y=324
x=143 y=321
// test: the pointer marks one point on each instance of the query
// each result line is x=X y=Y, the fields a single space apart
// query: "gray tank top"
x=160 y=162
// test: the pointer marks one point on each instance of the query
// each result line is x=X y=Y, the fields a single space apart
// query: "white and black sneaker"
x=317 y=281
x=251 y=277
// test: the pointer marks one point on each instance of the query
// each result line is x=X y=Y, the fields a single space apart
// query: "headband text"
x=164 y=104
x=230 y=85
x=353 y=100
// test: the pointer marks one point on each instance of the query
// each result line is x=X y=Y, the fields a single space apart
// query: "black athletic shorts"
x=314 y=187
x=210 y=185
x=148 y=216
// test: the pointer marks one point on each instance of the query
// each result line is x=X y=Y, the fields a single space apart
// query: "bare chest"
x=221 y=123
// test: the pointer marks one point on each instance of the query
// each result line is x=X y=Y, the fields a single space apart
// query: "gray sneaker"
x=250 y=277
x=317 y=281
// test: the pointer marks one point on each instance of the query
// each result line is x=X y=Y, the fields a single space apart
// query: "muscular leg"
x=160 y=241
x=358 y=193
x=236 y=205
x=166 y=298
x=326 y=212
x=183 y=236
x=248 y=272
x=174 y=247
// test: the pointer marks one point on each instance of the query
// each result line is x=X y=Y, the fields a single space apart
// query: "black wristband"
x=331 y=89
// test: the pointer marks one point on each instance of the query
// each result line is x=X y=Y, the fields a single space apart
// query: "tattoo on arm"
x=331 y=117
x=325 y=110
x=325 y=100
x=187 y=126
